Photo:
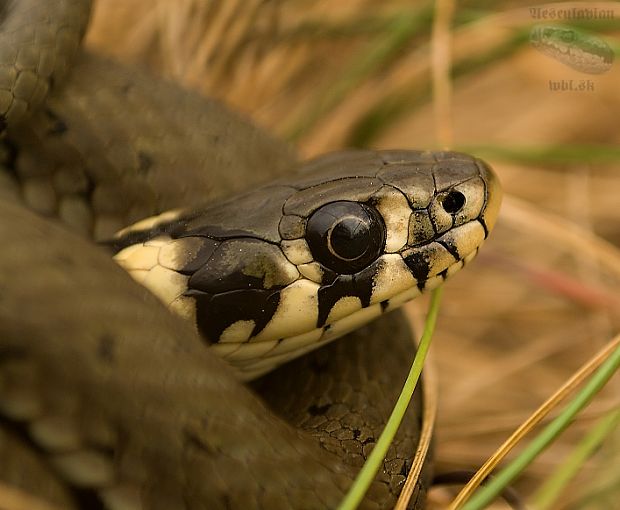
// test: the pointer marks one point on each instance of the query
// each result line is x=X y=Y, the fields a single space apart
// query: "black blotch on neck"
x=214 y=313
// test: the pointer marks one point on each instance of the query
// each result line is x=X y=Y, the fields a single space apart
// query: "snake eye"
x=345 y=236
x=453 y=202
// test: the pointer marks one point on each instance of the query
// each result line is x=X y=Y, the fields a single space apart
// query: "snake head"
x=288 y=267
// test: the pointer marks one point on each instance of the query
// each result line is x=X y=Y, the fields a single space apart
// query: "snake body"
x=119 y=395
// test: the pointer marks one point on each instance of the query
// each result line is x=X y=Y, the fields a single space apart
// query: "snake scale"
x=109 y=399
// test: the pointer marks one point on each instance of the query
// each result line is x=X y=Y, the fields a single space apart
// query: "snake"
x=581 y=51
x=172 y=280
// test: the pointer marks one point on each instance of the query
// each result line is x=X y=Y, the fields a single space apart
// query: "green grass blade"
x=495 y=486
x=408 y=98
x=379 y=52
x=548 y=493
x=601 y=494
x=375 y=459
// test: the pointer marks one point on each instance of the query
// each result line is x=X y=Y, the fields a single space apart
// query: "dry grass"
x=543 y=296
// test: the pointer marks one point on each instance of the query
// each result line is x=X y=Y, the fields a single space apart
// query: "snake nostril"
x=453 y=202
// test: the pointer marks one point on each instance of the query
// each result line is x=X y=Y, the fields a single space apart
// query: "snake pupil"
x=345 y=236
x=348 y=239
x=453 y=202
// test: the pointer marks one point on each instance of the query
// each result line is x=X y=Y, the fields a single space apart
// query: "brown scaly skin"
x=110 y=362
x=147 y=414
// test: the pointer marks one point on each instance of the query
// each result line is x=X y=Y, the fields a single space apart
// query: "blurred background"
x=543 y=295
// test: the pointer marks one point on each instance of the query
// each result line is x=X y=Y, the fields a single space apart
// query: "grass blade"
x=373 y=462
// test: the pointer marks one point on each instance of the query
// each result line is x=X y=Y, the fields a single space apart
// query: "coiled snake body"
x=121 y=397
